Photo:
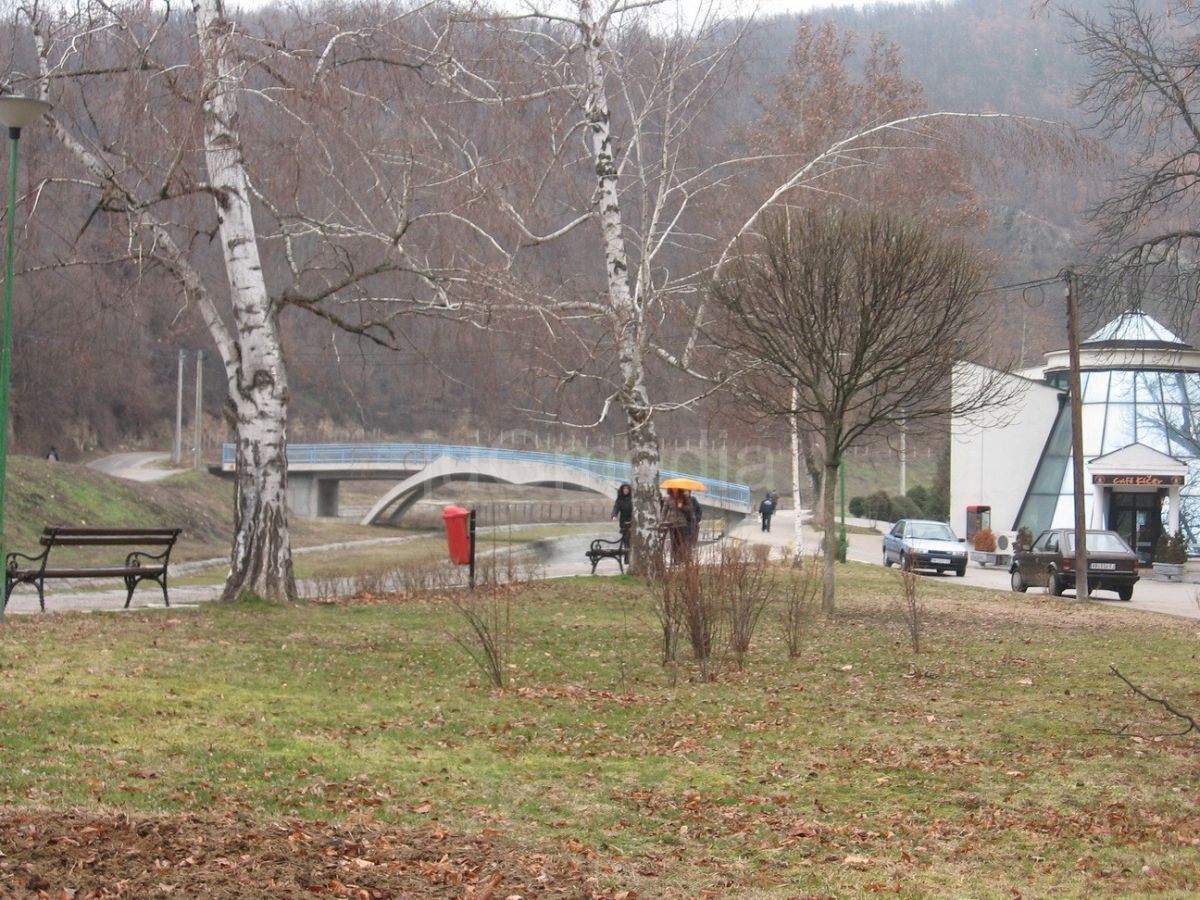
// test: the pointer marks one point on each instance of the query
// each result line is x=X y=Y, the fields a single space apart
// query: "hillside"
x=42 y=493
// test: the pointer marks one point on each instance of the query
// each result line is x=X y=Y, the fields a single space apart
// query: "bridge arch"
x=445 y=469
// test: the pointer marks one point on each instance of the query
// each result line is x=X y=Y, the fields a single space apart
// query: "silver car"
x=925 y=544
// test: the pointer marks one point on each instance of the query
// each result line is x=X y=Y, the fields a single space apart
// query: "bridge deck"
x=351 y=460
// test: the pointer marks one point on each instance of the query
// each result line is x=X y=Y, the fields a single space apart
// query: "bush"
x=1172 y=549
x=985 y=540
x=877 y=506
x=919 y=495
x=903 y=508
x=857 y=507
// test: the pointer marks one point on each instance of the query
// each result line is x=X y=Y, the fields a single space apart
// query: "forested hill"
x=97 y=341
x=996 y=55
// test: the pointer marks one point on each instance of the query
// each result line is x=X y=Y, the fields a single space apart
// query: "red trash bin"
x=458 y=534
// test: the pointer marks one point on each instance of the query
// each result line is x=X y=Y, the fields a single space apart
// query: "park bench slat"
x=100 y=541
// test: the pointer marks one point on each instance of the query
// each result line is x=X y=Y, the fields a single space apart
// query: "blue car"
x=925 y=544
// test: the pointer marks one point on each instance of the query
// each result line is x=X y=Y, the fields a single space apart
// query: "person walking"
x=622 y=512
x=766 y=510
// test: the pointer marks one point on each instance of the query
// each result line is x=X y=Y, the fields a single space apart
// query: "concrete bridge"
x=316 y=470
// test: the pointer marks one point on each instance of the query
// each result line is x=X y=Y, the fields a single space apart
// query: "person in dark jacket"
x=622 y=512
x=766 y=509
x=697 y=515
x=676 y=520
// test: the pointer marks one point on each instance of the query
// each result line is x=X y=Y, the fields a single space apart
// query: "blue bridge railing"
x=418 y=455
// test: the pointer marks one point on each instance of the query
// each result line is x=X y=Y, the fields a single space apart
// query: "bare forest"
x=98 y=334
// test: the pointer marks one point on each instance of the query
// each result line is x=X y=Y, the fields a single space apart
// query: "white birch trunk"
x=624 y=309
x=261 y=559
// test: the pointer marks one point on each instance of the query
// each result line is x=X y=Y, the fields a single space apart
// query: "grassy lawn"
x=354 y=746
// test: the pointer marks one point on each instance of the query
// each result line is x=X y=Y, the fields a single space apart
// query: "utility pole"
x=903 y=457
x=177 y=448
x=1081 y=557
x=797 y=524
x=199 y=409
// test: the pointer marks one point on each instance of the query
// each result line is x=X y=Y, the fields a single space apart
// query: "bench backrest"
x=108 y=537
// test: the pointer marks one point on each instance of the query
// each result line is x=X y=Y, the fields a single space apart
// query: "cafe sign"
x=1138 y=480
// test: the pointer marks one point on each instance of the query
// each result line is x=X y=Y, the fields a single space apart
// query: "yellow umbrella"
x=686 y=484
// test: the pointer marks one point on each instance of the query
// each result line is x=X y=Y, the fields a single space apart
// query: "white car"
x=925 y=544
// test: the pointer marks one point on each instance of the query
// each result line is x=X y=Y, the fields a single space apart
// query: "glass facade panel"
x=1192 y=383
x=1120 y=427
x=1146 y=388
x=1120 y=387
x=1174 y=389
x=1095 y=388
x=1154 y=425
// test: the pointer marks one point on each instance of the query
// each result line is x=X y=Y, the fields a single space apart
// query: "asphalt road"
x=1171 y=598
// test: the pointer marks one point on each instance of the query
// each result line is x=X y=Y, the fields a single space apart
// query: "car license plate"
x=1103 y=566
x=939 y=559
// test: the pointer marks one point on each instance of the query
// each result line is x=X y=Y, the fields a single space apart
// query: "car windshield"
x=930 y=531
x=1099 y=542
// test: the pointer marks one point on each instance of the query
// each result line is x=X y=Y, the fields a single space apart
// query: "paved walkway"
x=565 y=557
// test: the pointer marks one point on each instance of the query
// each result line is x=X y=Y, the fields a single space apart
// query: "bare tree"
x=239 y=164
x=620 y=126
x=853 y=321
x=1143 y=85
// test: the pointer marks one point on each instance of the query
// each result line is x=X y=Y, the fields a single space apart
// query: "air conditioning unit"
x=1006 y=542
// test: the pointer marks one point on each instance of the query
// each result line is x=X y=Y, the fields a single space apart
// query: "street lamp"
x=16 y=113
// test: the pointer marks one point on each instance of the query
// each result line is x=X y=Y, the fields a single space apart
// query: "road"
x=565 y=557
x=1170 y=598
x=135 y=466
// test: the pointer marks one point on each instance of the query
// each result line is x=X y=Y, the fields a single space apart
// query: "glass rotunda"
x=1141 y=438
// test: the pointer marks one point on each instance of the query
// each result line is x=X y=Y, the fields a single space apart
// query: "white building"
x=1141 y=440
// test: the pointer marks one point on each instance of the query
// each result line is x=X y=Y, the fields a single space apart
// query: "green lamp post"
x=843 y=543
x=16 y=113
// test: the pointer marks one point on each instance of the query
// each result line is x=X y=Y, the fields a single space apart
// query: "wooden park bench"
x=140 y=565
x=602 y=549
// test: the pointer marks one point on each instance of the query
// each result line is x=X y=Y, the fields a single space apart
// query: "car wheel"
x=887 y=560
x=1055 y=584
x=961 y=571
x=1017 y=582
x=1125 y=593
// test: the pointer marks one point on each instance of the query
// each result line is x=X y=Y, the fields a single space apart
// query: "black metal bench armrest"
x=15 y=555
x=138 y=556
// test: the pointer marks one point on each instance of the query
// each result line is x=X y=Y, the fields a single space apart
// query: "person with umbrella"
x=679 y=516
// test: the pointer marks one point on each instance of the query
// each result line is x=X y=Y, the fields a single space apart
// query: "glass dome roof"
x=1135 y=327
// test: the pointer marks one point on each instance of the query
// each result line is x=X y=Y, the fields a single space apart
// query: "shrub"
x=857 y=507
x=985 y=540
x=919 y=494
x=903 y=508
x=877 y=506
x=1171 y=549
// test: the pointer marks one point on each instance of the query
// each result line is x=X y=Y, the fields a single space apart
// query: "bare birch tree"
x=638 y=102
x=158 y=132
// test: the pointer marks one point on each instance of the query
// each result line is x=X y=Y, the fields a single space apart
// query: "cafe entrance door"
x=1137 y=517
